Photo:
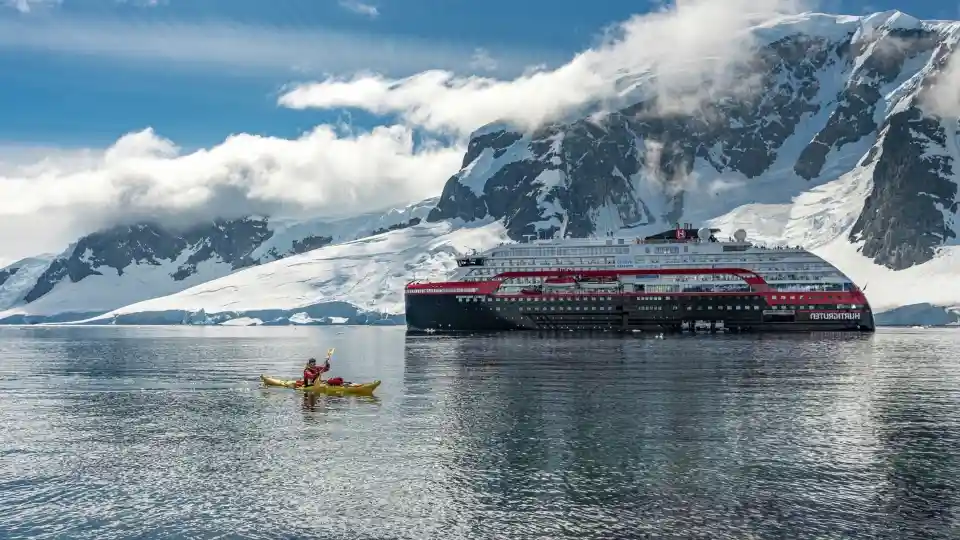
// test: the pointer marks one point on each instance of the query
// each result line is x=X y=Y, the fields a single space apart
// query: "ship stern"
x=867 y=321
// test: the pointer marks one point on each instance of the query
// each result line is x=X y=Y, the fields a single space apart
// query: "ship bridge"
x=471 y=261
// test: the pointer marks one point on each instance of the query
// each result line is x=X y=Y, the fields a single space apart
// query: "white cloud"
x=27 y=6
x=684 y=55
x=144 y=3
x=46 y=204
x=943 y=98
x=243 y=48
x=481 y=60
x=360 y=8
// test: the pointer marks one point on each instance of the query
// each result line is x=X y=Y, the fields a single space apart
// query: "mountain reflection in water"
x=151 y=432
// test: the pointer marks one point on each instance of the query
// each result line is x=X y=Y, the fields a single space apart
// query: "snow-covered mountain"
x=839 y=151
x=840 y=148
x=839 y=95
x=354 y=282
x=126 y=264
x=18 y=278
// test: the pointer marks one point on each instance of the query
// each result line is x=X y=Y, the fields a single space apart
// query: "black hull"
x=452 y=313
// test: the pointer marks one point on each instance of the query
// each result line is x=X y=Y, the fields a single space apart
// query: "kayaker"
x=311 y=373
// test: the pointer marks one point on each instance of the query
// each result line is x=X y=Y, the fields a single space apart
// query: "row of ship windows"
x=698 y=307
x=574 y=308
x=817 y=275
x=610 y=298
x=656 y=262
x=552 y=299
x=561 y=252
x=642 y=308
x=754 y=307
x=601 y=250
x=713 y=287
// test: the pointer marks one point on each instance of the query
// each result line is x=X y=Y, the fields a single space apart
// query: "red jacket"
x=312 y=373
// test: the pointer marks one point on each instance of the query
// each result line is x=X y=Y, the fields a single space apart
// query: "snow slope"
x=22 y=275
x=357 y=281
x=95 y=294
x=286 y=231
x=820 y=219
x=99 y=293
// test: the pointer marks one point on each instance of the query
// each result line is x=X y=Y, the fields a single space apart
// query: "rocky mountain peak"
x=817 y=106
x=118 y=248
x=7 y=273
x=134 y=262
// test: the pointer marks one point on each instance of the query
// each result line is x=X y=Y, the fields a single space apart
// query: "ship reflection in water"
x=823 y=436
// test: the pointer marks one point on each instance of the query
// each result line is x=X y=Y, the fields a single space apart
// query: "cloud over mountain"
x=328 y=171
x=685 y=55
x=682 y=54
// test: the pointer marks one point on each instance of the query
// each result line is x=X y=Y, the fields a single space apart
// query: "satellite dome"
x=703 y=233
x=740 y=235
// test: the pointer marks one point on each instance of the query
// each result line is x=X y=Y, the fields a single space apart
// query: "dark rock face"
x=564 y=175
x=901 y=223
x=852 y=119
x=229 y=241
x=238 y=243
x=498 y=141
x=396 y=227
x=310 y=243
x=594 y=161
x=907 y=215
x=520 y=191
x=6 y=274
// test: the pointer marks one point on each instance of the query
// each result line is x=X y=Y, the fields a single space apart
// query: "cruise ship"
x=683 y=279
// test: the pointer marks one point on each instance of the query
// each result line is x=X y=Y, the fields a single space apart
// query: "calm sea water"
x=166 y=433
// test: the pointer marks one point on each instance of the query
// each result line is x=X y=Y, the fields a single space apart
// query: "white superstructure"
x=786 y=269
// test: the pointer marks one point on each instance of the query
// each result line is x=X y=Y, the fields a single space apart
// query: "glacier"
x=360 y=281
x=112 y=288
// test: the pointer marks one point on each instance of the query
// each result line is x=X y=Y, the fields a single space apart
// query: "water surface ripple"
x=165 y=433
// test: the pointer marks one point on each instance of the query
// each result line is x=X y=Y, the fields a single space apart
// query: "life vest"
x=311 y=373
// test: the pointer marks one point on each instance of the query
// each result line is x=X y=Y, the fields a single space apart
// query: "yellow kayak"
x=357 y=389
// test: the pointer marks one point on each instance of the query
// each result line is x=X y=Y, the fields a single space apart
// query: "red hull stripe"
x=757 y=283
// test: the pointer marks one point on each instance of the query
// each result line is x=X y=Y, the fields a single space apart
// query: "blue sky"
x=66 y=78
x=120 y=110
